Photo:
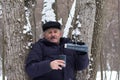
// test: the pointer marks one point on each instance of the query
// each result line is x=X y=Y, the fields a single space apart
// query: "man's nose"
x=52 y=33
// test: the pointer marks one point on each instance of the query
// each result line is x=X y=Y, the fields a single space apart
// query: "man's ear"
x=42 y=35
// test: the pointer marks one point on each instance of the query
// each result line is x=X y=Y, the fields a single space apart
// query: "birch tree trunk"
x=15 y=42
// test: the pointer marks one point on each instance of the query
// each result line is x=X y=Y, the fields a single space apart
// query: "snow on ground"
x=107 y=75
x=2 y=78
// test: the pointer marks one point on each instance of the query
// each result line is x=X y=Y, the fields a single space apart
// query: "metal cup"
x=63 y=57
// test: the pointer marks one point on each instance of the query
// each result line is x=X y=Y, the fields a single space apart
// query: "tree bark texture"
x=96 y=18
x=111 y=35
x=97 y=40
x=87 y=10
x=15 y=45
x=1 y=42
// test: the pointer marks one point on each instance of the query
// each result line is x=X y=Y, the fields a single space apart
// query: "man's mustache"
x=53 y=37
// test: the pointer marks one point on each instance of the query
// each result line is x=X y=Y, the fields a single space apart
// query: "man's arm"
x=81 y=61
x=35 y=66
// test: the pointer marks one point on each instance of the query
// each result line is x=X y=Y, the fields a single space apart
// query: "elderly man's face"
x=53 y=35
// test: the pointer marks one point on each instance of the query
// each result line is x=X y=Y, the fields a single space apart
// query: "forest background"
x=96 y=21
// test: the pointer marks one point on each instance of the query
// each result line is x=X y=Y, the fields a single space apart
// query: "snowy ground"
x=1 y=77
x=108 y=75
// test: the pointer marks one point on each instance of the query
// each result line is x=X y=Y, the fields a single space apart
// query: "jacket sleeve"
x=35 y=66
x=81 y=61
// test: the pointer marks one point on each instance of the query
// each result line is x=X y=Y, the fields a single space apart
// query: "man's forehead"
x=52 y=29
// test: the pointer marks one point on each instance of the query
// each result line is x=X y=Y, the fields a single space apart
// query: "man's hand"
x=79 y=43
x=57 y=64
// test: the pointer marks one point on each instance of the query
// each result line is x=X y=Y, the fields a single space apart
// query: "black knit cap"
x=51 y=24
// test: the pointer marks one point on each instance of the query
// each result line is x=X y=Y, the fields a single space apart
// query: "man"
x=43 y=61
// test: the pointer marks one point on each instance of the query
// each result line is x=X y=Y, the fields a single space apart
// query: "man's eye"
x=49 y=32
x=55 y=31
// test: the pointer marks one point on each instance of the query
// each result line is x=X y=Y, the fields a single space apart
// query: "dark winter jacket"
x=43 y=52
